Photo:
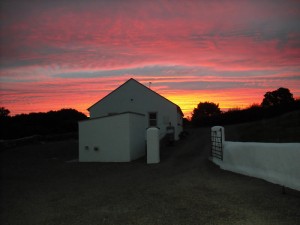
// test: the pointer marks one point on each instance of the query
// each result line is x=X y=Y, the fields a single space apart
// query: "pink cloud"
x=211 y=32
x=201 y=41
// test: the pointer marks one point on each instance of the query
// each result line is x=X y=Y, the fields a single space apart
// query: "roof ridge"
x=132 y=79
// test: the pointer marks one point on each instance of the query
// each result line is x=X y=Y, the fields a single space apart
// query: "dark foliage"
x=205 y=113
x=252 y=113
x=274 y=103
x=281 y=96
x=4 y=112
x=52 y=122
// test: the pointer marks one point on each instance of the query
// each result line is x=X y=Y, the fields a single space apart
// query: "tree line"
x=273 y=104
x=205 y=114
x=52 y=122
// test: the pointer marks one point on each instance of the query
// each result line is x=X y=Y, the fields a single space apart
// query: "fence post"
x=153 y=152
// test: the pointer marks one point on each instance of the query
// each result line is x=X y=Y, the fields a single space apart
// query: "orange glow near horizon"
x=75 y=94
x=226 y=100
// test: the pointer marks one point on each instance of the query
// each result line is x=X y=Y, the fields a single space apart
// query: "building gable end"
x=146 y=88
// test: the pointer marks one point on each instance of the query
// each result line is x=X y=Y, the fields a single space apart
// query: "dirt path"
x=185 y=188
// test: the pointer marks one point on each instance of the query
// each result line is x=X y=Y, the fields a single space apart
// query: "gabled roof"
x=131 y=79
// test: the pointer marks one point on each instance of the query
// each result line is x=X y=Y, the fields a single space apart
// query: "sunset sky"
x=70 y=53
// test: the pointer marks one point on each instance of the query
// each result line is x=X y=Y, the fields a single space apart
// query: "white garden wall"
x=278 y=163
x=117 y=138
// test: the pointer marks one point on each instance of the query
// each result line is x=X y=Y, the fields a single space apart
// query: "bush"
x=52 y=122
x=252 y=113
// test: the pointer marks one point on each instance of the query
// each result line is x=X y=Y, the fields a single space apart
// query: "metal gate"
x=216 y=144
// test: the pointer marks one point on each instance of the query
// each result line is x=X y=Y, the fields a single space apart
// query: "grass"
x=40 y=186
x=285 y=128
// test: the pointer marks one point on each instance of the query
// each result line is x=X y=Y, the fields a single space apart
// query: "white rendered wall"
x=109 y=139
x=137 y=136
x=275 y=162
x=134 y=97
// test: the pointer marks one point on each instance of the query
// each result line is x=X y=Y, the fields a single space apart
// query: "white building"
x=117 y=126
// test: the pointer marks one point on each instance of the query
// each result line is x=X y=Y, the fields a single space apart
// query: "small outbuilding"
x=116 y=130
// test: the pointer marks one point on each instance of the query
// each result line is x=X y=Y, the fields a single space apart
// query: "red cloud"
x=40 y=39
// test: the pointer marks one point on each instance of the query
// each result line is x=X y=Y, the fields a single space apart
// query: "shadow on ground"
x=39 y=186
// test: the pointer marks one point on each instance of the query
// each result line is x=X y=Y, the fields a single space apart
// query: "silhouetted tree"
x=4 y=112
x=281 y=96
x=52 y=122
x=205 y=113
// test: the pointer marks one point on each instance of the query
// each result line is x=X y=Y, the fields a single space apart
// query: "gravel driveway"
x=40 y=187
